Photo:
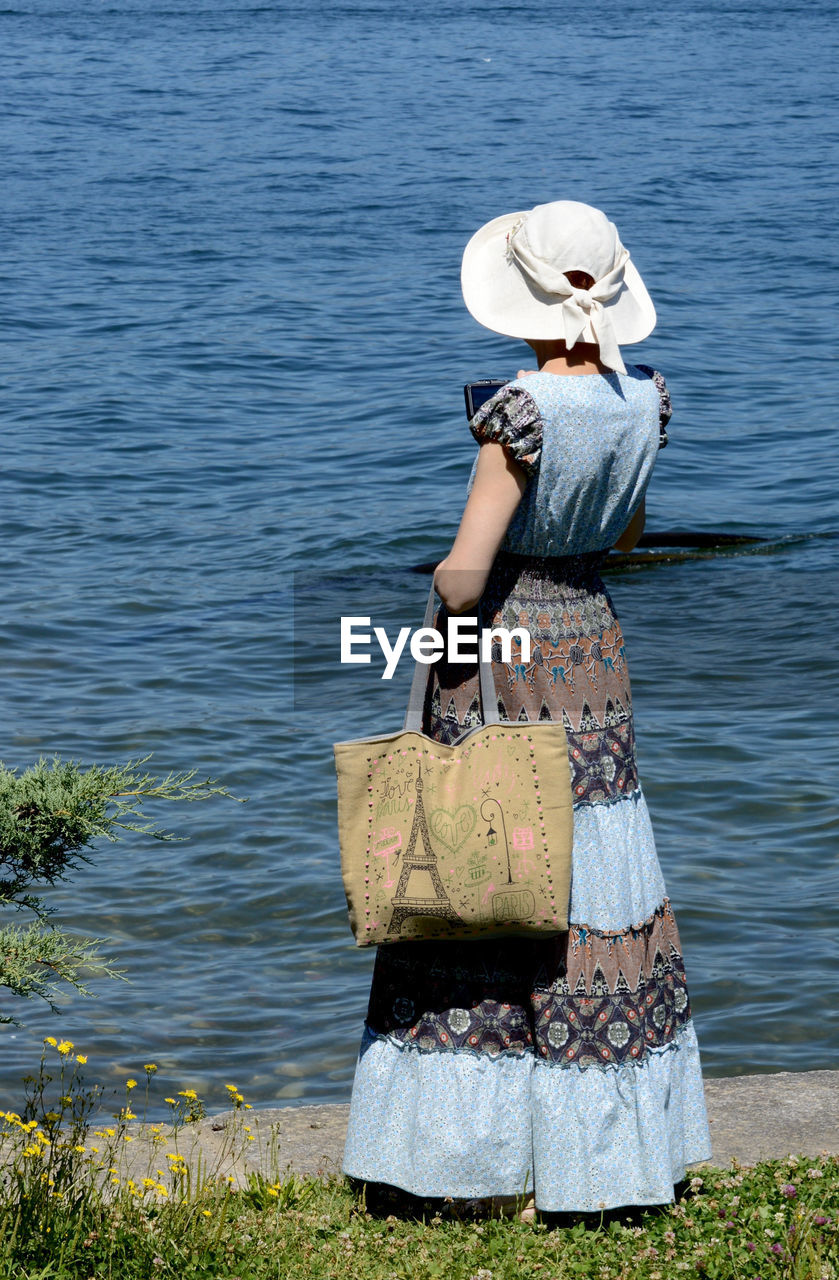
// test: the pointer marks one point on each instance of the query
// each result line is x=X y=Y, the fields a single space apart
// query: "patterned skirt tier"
x=566 y=1067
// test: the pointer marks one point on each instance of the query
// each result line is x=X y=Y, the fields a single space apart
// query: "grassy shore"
x=69 y=1211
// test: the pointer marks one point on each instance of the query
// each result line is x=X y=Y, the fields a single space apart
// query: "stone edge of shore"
x=752 y=1118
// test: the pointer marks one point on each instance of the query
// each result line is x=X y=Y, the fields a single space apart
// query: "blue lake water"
x=234 y=347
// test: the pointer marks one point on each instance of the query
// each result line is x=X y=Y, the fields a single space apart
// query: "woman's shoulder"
x=520 y=412
x=511 y=418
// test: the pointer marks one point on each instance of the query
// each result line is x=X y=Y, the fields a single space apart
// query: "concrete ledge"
x=768 y=1117
x=752 y=1118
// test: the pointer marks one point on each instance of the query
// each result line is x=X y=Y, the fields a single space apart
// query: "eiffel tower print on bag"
x=471 y=839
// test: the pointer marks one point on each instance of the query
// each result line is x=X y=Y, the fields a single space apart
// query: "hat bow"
x=578 y=306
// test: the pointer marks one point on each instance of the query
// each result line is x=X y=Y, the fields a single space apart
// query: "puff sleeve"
x=665 y=409
x=511 y=418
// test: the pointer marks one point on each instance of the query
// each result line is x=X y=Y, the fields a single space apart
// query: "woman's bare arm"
x=499 y=484
x=632 y=532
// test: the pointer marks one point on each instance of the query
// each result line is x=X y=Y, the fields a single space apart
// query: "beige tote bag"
x=471 y=840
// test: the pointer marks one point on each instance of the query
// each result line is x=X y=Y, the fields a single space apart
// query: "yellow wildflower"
x=149 y=1182
x=272 y=1191
x=80 y=1150
x=150 y=1067
x=131 y=1084
x=65 y=1046
x=189 y=1094
x=206 y=1213
x=51 y=1040
x=82 y=1058
x=171 y=1101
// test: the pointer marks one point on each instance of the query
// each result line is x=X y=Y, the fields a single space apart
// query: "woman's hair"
x=579 y=279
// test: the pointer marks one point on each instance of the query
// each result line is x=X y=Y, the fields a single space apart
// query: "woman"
x=565 y=1067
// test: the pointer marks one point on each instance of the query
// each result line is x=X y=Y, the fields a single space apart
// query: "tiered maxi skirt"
x=564 y=1067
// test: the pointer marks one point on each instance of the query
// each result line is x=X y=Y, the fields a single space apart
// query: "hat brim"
x=499 y=297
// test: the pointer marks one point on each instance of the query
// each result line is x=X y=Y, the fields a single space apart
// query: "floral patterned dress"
x=566 y=1067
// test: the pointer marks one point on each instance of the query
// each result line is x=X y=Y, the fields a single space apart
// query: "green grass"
x=64 y=1215
x=317 y=1230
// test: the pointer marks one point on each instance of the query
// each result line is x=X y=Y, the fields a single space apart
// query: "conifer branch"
x=50 y=816
x=38 y=961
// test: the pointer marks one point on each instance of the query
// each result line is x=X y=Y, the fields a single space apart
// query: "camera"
x=477 y=393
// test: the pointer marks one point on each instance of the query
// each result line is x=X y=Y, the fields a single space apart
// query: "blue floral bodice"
x=588 y=444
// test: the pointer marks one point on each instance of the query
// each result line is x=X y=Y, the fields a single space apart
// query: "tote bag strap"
x=419 y=684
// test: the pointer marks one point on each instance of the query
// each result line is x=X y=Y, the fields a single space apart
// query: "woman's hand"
x=499 y=484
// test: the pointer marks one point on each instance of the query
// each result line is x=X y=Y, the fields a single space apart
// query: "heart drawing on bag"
x=453 y=827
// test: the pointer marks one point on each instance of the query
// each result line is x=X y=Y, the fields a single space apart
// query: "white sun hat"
x=514 y=282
